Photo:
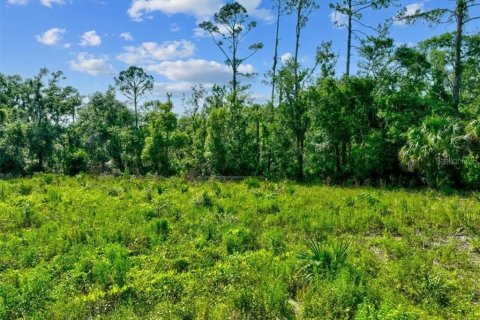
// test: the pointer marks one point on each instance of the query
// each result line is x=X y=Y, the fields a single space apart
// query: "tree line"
x=409 y=115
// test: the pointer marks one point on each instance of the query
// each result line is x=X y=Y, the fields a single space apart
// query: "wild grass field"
x=145 y=248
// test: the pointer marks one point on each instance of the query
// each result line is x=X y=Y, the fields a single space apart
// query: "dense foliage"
x=408 y=116
x=145 y=248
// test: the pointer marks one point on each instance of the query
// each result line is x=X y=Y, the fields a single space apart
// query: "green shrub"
x=268 y=207
x=239 y=240
x=322 y=260
x=274 y=241
x=25 y=188
x=181 y=265
x=203 y=200
x=471 y=171
x=162 y=228
x=337 y=298
x=252 y=183
x=48 y=178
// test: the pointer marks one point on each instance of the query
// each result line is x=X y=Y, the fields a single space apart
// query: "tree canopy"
x=408 y=115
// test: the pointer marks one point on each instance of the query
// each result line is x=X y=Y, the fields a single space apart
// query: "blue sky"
x=92 y=40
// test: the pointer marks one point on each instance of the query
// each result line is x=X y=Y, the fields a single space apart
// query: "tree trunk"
x=297 y=44
x=234 y=66
x=460 y=13
x=275 y=55
x=300 y=160
x=274 y=82
x=234 y=82
x=135 y=102
x=349 y=38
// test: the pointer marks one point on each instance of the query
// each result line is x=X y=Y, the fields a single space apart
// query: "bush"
x=76 y=162
x=162 y=228
x=239 y=240
x=252 y=182
x=25 y=188
x=471 y=172
x=203 y=200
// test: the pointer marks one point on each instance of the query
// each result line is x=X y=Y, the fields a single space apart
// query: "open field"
x=130 y=248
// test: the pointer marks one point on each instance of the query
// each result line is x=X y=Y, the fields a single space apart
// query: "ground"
x=146 y=248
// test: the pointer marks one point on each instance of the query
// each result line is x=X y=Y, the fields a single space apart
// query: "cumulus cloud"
x=18 y=2
x=410 y=10
x=285 y=57
x=151 y=52
x=201 y=9
x=51 y=37
x=46 y=3
x=197 y=71
x=198 y=8
x=253 y=8
x=49 y=3
x=91 y=39
x=91 y=65
x=127 y=36
x=161 y=88
x=183 y=75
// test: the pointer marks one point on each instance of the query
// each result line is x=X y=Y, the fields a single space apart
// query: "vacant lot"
x=125 y=248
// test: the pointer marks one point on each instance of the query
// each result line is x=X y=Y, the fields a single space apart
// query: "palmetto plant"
x=434 y=147
x=434 y=287
x=322 y=260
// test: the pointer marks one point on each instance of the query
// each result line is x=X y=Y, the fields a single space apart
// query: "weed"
x=126 y=247
x=25 y=189
x=252 y=183
x=203 y=200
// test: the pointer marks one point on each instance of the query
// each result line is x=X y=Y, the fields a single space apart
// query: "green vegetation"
x=408 y=115
x=144 y=248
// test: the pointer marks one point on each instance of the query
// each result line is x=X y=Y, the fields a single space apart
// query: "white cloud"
x=198 y=8
x=91 y=38
x=253 y=9
x=200 y=33
x=197 y=71
x=94 y=66
x=285 y=57
x=183 y=75
x=127 y=36
x=18 y=2
x=201 y=9
x=48 y=3
x=151 y=52
x=338 y=19
x=410 y=10
x=51 y=37
x=67 y=45
x=161 y=88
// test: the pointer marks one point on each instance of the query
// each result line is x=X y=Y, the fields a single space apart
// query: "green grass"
x=131 y=248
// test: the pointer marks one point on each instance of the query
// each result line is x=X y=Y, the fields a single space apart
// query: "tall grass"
x=145 y=248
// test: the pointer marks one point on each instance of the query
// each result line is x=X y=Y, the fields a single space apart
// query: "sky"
x=93 y=40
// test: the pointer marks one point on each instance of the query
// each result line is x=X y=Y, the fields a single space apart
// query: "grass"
x=141 y=248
